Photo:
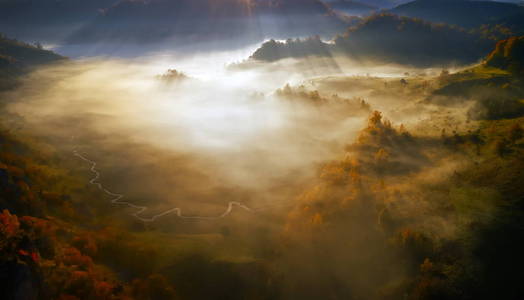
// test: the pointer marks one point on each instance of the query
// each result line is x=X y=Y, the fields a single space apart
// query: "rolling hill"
x=17 y=57
x=464 y=13
x=24 y=55
x=192 y=21
x=390 y=38
x=353 y=7
x=47 y=20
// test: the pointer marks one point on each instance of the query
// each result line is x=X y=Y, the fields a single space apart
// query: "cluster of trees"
x=172 y=76
x=38 y=263
x=301 y=93
x=297 y=48
x=430 y=240
x=349 y=219
x=37 y=259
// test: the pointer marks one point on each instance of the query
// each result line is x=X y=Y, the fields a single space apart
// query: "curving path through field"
x=117 y=199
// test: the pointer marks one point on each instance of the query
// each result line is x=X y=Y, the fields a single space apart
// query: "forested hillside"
x=391 y=39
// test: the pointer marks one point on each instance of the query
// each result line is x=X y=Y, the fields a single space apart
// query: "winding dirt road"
x=117 y=200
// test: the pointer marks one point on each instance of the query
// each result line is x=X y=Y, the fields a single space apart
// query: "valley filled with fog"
x=257 y=149
x=216 y=130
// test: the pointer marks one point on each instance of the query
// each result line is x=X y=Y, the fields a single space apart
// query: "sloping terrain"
x=464 y=13
x=17 y=57
x=186 y=22
x=389 y=38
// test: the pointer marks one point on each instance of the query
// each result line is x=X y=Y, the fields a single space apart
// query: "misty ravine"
x=141 y=209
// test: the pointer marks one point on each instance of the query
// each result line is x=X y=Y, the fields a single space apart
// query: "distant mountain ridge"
x=380 y=4
x=464 y=13
x=15 y=54
x=47 y=19
x=17 y=58
x=353 y=7
x=189 y=21
x=391 y=39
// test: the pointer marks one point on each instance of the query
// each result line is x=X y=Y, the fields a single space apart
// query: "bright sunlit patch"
x=215 y=116
x=227 y=115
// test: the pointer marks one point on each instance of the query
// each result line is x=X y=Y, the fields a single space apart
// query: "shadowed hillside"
x=389 y=38
x=230 y=21
x=19 y=54
x=353 y=7
x=465 y=13
x=17 y=58
x=48 y=20
x=508 y=55
x=496 y=87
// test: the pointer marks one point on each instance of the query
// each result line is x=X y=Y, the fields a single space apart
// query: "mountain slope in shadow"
x=462 y=13
x=197 y=21
x=390 y=38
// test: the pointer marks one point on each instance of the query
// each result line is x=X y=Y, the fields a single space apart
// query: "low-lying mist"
x=306 y=179
x=197 y=142
x=215 y=133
